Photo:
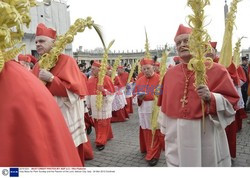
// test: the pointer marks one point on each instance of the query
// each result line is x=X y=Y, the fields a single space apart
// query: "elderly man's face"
x=148 y=70
x=182 y=47
x=94 y=71
x=43 y=44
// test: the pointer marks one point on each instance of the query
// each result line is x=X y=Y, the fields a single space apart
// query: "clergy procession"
x=54 y=115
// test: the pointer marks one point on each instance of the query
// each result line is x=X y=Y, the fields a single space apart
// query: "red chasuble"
x=67 y=76
x=218 y=81
x=32 y=129
x=107 y=84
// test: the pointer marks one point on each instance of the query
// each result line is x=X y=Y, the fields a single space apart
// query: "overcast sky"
x=124 y=21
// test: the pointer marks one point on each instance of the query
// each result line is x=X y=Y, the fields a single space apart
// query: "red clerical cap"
x=33 y=59
x=146 y=61
x=120 y=67
x=182 y=30
x=213 y=44
x=176 y=58
x=157 y=64
x=25 y=58
x=42 y=30
x=96 y=64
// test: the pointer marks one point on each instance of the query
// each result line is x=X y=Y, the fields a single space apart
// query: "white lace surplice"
x=106 y=111
x=119 y=100
x=72 y=108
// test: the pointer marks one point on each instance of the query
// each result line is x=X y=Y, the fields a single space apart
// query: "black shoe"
x=153 y=162
x=100 y=147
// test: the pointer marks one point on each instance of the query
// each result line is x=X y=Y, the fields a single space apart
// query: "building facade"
x=128 y=57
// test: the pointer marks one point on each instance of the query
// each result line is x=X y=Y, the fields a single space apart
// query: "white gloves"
x=46 y=75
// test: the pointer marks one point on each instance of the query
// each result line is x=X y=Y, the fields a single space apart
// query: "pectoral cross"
x=184 y=100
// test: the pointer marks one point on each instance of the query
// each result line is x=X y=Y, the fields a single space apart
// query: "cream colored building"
x=128 y=57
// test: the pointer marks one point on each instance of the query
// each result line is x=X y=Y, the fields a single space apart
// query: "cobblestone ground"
x=243 y=146
x=123 y=149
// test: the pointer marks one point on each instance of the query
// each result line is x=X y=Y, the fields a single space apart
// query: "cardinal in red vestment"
x=181 y=117
x=126 y=87
x=66 y=83
x=102 y=117
x=144 y=89
x=119 y=113
x=231 y=130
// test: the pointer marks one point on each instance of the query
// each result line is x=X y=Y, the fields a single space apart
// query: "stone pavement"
x=123 y=150
x=243 y=146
